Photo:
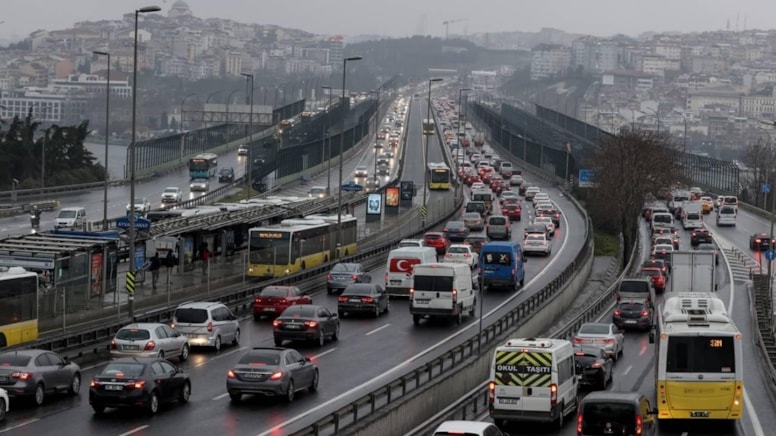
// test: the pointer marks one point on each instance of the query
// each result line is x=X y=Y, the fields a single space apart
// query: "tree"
x=761 y=160
x=630 y=167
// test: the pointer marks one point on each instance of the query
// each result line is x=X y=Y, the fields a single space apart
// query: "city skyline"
x=401 y=18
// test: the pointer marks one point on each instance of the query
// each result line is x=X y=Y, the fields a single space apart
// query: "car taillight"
x=639 y=425
x=230 y=374
x=445 y=229
x=579 y=424
x=386 y=278
x=617 y=312
x=257 y=300
x=329 y=277
x=576 y=341
x=644 y=313
x=113 y=345
x=608 y=341
x=596 y=365
x=455 y=296
x=448 y=255
x=311 y=324
x=276 y=375
x=210 y=326
x=491 y=391
x=342 y=299
x=367 y=300
x=277 y=323
x=150 y=345
x=467 y=255
x=137 y=384
x=94 y=384
x=21 y=375
x=554 y=395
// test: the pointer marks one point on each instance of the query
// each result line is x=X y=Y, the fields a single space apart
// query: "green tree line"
x=67 y=161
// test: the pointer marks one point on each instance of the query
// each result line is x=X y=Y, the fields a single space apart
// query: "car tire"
x=329 y=291
x=185 y=353
x=321 y=338
x=387 y=305
x=235 y=397
x=153 y=403
x=459 y=317
x=161 y=354
x=290 y=392
x=236 y=338
x=314 y=385
x=39 y=396
x=416 y=319
x=75 y=385
x=98 y=409
x=335 y=335
x=377 y=311
x=278 y=342
x=217 y=344
x=561 y=416
x=185 y=394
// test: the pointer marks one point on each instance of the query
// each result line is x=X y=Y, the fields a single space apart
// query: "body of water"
x=117 y=157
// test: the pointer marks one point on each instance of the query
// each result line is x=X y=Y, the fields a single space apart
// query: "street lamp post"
x=425 y=151
x=325 y=135
x=341 y=148
x=460 y=121
x=132 y=229
x=684 y=118
x=43 y=148
x=657 y=115
x=183 y=103
x=773 y=202
x=107 y=125
x=377 y=126
x=228 y=101
x=248 y=162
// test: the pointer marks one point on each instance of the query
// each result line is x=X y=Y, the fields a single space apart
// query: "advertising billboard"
x=392 y=196
x=374 y=204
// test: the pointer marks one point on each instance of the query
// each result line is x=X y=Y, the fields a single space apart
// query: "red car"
x=472 y=179
x=512 y=211
x=273 y=300
x=658 y=279
x=437 y=240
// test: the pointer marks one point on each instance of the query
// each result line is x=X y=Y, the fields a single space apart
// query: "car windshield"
x=432 y=236
x=300 y=312
x=706 y=247
x=497 y=221
x=14 y=359
x=652 y=272
x=634 y=306
x=471 y=216
x=123 y=370
x=133 y=334
x=274 y=291
x=191 y=315
x=534 y=237
x=202 y=181
x=226 y=170
x=498 y=258
x=455 y=224
x=66 y=214
x=458 y=250
x=608 y=418
x=594 y=329
x=260 y=358
x=139 y=200
x=585 y=359
x=345 y=268
x=171 y=190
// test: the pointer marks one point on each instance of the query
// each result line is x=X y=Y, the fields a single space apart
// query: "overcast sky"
x=403 y=17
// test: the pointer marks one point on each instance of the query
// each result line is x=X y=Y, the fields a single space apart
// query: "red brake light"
x=257 y=300
x=230 y=374
x=342 y=299
x=618 y=312
x=276 y=375
x=139 y=384
x=113 y=345
x=553 y=395
x=329 y=277
x=20 y=375
x=311 y=324
x=277 y=323
x=354 y=277
x=608 y=341
x=94 y=384
x=579 y=424
x=644 y=313
x=576 y=340
x=639 y=425
x=367 y=300
x=596 y=365
x=210 y=326
x=150 y=345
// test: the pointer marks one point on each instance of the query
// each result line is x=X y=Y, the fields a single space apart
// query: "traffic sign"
x=586 y=179
x=352 y=187
x=423 y=211
x=140 y=223
x=770 y=255
x=766 y=188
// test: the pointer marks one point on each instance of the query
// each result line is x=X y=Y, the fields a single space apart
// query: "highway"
x=370 y=352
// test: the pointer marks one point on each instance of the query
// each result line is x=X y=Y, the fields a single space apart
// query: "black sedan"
x=34 y=374
x=761 y=241
x=593 y=367
x=344 y=274
x=363 y=298
x=456 y=231
x=226 y=175
x=138 y=382
x=700 y=236
x=306 y=322
x=271 y=372
x=633 y=314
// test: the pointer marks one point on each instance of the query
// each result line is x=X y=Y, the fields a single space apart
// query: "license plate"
x=355 y=300
x=294 y=326
x=422 y=301
x=114 y=387
x=131 y=347
x=699 y=414
x=630 y=321
x=269 y=309
x=395 y=282
x=3 y=379
x=252 y=375
x=508 y=400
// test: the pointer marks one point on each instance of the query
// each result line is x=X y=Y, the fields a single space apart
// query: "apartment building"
x=549 y=60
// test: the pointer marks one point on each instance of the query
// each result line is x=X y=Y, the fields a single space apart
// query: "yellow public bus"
x=18 y=306
x=699 y=367
x=439 y=176
x=298 y=244
x=429 y=127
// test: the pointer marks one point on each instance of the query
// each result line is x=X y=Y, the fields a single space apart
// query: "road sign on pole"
x=766 y=188
x=770 y=255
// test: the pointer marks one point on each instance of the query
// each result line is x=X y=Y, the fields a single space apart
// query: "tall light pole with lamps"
x=325 y=136
x=657 y=115
x=107 y=135
x=248 y=162
x=341 y=149
x=132 y=176
x=181 y=125
x=460 y=122
x=43 y=146
x=425 y=151
x=773 y=202
x=684 y=118
x=376 y=92
x=228 y=102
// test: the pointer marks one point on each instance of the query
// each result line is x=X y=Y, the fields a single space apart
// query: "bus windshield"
x=440 y=175
x=270 y=247
x=710 y=354
x=18 y=299
x=199 y=164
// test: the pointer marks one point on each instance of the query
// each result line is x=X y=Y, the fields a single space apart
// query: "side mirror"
x=307 y=360
x=651 y=337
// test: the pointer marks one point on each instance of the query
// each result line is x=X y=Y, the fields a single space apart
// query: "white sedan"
x=601 y=335
x=142 y=205
x=547 y=222
x=4 y=404
x=537 y=243
x=462 y=253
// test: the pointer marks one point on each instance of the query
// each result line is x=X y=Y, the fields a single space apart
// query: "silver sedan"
x=601 y=335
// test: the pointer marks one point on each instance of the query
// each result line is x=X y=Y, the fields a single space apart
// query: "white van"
x=726 y=215
x=533 y=379
x=662 y=220
x=71 y=217
x=692 y=215
x=400 y=265
x=442 y=290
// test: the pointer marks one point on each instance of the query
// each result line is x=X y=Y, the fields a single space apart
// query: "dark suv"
x=699 y=236
x=226 y=175
x=632 y=314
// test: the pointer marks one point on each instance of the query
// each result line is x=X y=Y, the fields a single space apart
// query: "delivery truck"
x=693 y=271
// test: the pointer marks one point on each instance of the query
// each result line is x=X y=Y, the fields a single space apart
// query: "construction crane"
x=448 y=23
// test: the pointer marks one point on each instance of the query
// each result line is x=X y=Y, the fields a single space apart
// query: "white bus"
x=699 y=367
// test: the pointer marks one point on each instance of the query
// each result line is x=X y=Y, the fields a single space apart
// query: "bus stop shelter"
x=76 y=270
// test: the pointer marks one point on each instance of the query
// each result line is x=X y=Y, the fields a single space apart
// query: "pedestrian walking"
x=205 y=259
x=155 y=264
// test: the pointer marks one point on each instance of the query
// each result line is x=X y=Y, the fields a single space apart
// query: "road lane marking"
x=378 y=329
x=756 y=426
x=218 y=397
x=134 y=430
x=220 y=356
x=319 y=355
x=627 y=370
x=19 y=425
x=546 y=270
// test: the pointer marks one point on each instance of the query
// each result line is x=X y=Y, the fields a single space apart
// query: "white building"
x=549 y=60
x=698 y=99
x=658 y=65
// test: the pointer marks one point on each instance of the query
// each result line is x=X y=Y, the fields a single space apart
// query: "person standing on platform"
x=155 y=264
x=205 y=258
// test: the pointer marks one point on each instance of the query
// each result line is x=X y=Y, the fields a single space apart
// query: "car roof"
x=143 y=325
x=28 y=352
x=199 y=304
x=618 y=397
x=143 y=360
x=463 y=426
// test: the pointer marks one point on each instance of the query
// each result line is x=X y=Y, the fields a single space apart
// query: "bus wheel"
x=326 y=259
x=3 y=341
x=304 y=266
x=346 y=252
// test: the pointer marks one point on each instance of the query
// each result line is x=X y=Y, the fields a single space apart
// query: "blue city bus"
x=203 y=166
